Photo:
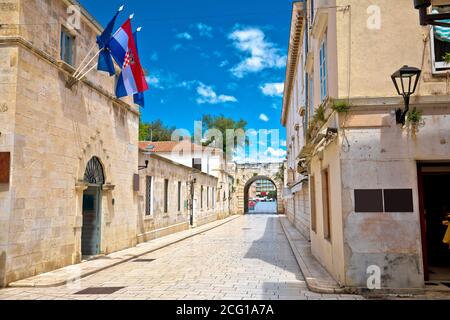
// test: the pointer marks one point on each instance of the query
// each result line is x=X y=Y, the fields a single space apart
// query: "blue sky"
x=209 y=57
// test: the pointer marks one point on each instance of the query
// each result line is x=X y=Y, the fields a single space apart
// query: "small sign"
x=5 y=166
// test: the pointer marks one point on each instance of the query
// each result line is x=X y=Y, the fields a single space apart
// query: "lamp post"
x=405 y=80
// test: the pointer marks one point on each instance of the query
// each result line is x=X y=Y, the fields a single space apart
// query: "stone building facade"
x=371 y=180
x=72 y=151
x=210 y=161
x=173 y=197
x=296 y=191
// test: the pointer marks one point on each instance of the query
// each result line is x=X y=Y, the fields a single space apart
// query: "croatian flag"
x=138 y=97
x=124 y=51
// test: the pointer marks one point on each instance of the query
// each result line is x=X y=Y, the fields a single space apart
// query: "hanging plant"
x=415 y=117
x=340 y=106
x=319 y=116
x=447 y=57
x=415 y=120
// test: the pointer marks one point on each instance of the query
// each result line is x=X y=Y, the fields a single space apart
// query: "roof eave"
x=295 y=43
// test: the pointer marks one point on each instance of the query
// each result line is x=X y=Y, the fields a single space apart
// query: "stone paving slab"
x=316 y=277
x=74 y=272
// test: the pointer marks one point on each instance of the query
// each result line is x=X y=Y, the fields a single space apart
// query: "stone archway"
x=247 y=191
x=248 y=173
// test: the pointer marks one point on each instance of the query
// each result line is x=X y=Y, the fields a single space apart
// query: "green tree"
x=155 y=131
x=222 y=124
x=272 y=195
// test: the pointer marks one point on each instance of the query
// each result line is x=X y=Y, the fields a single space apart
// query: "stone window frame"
x=326 y=207
x=166 y=196
x=149 y=207
x=436 y=67
x=312 y=190
x=73 y=35
x=179 y=196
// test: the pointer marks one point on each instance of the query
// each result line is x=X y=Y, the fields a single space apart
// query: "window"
x=326 y=204
x=197 y=164
x=311 y=97
x=312 y=11
x=440 y=42
x=323 y=69
x=148 y=196
x=166 y=195
x=213 y=198
x=179 y=196
x=312 y=189
x=67 y=46
x=207 y=197
x=201 y=197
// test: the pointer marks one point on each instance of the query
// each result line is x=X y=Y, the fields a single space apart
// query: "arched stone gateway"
x=249 y=173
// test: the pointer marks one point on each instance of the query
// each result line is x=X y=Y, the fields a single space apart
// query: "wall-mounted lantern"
x=405 y=81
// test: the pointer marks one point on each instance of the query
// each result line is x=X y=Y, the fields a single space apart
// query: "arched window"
x=94 y=172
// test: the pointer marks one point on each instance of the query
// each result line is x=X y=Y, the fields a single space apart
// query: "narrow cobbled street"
x=247 y=258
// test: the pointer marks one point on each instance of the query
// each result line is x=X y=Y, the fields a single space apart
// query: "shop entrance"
x=434 y=190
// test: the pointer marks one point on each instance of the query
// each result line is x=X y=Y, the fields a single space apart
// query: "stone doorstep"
x=318 y=283
x=60 y=277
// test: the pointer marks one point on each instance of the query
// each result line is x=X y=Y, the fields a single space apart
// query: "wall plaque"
x=5 y=166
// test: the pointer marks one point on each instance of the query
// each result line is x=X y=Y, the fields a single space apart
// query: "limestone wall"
x=382 y=155
x=52 y=132
x=366 y=57
x=159 y=223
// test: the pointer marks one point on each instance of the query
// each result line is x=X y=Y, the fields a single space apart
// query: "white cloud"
x=177 y=47
x=273 y=89
x=184 y=35
x=204 y=30
x=154 y=82
x=277 y=153
x=259 y=53
x=209 y=96
x=263 y=117
x=223 y=63
x=162 y=79
x=187 y=84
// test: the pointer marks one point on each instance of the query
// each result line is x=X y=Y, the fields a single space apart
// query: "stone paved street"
x=248 y=258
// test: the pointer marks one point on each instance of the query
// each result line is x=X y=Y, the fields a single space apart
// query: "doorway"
x=94 y=177
x=434 y=193
x=90 y=233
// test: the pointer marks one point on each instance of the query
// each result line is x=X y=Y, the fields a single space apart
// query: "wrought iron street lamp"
x=405 y=81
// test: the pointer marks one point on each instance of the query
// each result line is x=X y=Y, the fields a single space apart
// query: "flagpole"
x=88 y=63
x=84 y=60
x=81 y=77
